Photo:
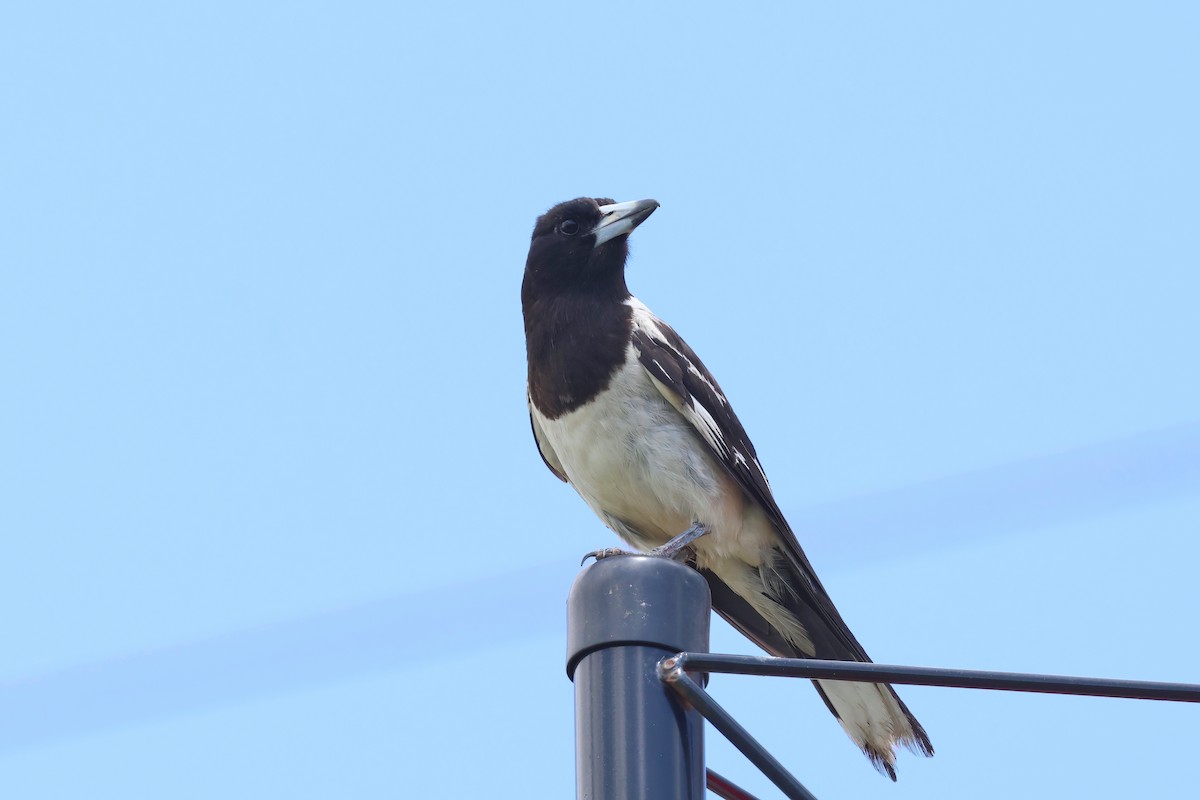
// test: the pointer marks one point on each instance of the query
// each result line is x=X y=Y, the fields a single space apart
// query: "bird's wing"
x=549 y=457
x=687 y=385
x=683 y=380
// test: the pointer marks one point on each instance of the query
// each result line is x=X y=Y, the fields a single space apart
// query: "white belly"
x=636 y=461
x=647 y=473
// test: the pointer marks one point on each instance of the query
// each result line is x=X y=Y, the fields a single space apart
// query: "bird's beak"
x=619 y=219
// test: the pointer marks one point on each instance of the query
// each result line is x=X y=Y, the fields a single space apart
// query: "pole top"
x=636 y=600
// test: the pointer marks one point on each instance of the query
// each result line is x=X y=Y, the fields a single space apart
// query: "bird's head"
x=582 y=245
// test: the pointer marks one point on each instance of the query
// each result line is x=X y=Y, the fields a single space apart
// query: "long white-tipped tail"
x=876 y=719
x=790 y=615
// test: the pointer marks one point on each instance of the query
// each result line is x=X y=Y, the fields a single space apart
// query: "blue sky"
x=272 y=520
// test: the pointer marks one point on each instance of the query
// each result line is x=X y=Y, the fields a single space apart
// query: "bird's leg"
x=672 y=549
x=678 y=545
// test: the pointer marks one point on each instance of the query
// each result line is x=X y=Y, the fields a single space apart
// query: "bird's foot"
x=607 y=552
x=676 y=549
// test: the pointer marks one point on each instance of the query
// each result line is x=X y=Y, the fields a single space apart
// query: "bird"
x=624 y=411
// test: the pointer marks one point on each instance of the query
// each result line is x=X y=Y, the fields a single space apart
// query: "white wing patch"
x=697 y=416
x=717 y=392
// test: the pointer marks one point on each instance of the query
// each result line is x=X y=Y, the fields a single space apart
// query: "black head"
x=582 y=244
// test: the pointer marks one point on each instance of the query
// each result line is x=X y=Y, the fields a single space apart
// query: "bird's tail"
x=784 y=609
x=876 y=719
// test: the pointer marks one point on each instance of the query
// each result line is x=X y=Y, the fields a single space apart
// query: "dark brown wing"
x=688 y=385
x=684 y=381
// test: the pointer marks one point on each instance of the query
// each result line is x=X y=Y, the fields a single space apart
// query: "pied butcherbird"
x=627 y=414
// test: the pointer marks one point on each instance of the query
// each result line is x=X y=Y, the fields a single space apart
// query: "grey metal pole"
x=633 y=739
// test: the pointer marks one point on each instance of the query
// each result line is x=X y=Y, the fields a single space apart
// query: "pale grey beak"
x=620 y=218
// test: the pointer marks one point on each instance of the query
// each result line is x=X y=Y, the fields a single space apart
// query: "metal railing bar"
x=935 y=676
x=670 y=670
x=726 y=789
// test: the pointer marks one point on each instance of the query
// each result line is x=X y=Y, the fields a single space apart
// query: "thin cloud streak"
x=1019 y=496
x=335 y=645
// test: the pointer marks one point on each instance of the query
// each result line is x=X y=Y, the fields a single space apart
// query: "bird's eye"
x=568 y=227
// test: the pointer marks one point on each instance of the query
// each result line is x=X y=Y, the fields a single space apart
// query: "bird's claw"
x=606 y=552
